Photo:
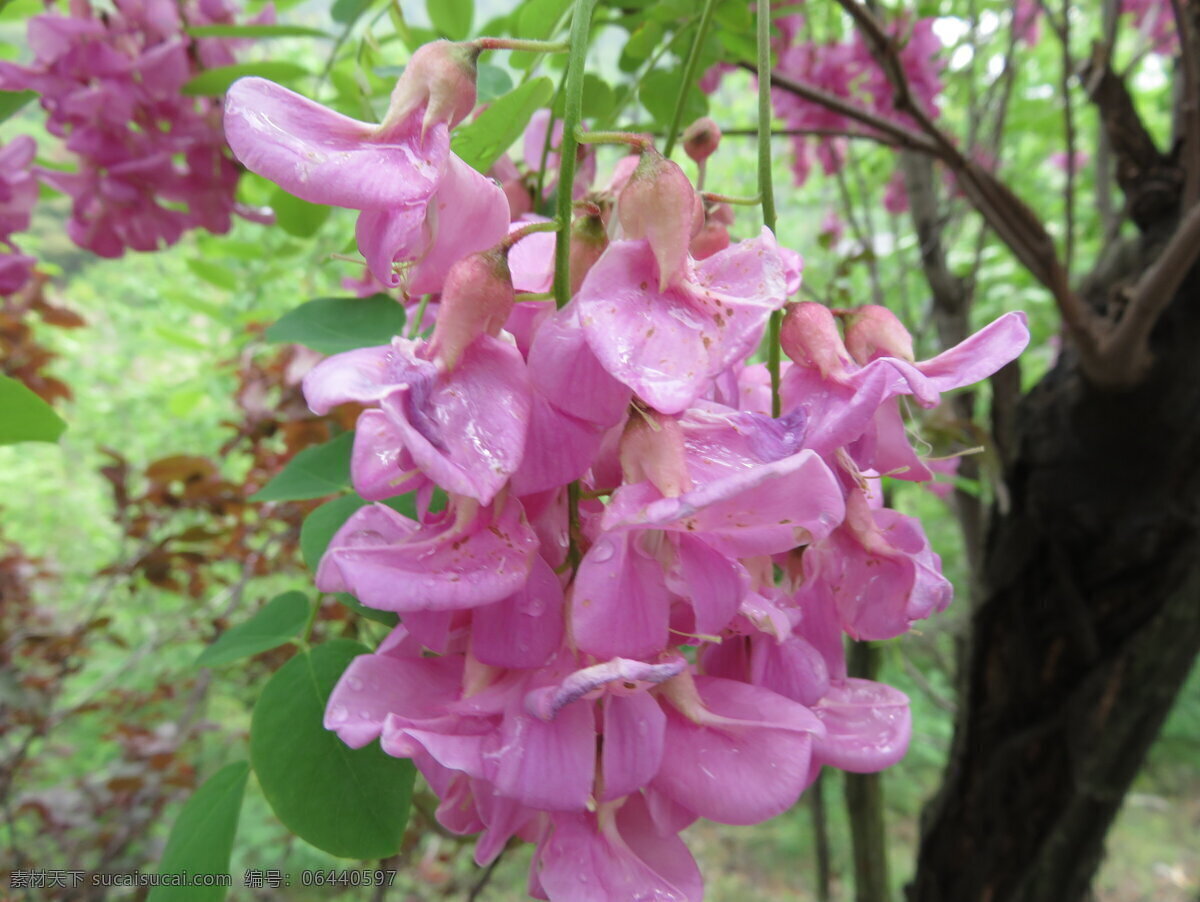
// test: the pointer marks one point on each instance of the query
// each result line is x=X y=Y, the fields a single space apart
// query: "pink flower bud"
x=440 y=77
x=477 y=298
x=873 y=331
x=588 y=241
x=659 y=204
x=652 y=451
x=714 y=235
x=701 y=139
x=810 y=338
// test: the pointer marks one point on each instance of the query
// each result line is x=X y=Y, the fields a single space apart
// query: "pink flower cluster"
x=847 y=69
x=630 y=614
x=18 y=194
x=151 y=162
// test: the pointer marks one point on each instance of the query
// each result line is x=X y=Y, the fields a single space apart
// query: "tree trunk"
x=1088 y=626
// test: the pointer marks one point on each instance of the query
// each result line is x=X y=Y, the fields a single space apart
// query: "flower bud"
x=714 y=235
x=810 y=338
x=658 y=204
x=652 y=451
x=588 y=241
x=441 y=77
x=873 y=331
x=477 y=298
x=701 y=139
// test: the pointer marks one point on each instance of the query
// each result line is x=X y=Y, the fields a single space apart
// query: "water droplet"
x=602 y=551
x=355 y=683
x=338 y=713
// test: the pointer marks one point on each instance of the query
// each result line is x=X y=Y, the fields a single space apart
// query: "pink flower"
x=18 y=194
x=418 y=200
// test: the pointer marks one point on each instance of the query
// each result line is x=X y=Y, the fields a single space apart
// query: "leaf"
x=537 y=18
x=480 y=143
x=255 y=31
x=279 y=621
x=313 y=473
x=12 y=101
x=201 y=839
x=215 y=82
x=346 y=12
x=297 y=217
x=24 y=417
x=660 y=91
x=352 y=803
x=598 y=99
x=491 y=82
x=214 y=274
x=452 y=18
x=333 y=325
x=387 y=618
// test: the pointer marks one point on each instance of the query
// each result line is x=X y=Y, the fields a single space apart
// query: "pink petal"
x=380 y=466
x=327 y=158
x=466 y=430
x=468 y=213
x=559 y=448
x=566 y=372
x=525 y=629
x=545 y=765
x=374 y=686
x=980 y=355
x=867 y=724
x=712 y=582
x=386 y=235
x=793 y=668
x=633 y=743
x=364 y=375
x=668 y=345
x=747 y=763
x=390 y=562
x=620 y=603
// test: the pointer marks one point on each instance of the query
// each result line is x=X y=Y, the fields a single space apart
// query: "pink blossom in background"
x=149 y=163
x=18 y=195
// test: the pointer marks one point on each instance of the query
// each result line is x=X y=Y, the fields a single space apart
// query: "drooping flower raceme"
x=629 y=614
x=150 y=161
x=18 y=194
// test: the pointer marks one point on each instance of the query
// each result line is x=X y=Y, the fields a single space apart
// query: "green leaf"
x=491 y=82
x=537 y=18
x=352 y=803
x=346 y=12
x=387 y=618
x=24 y=417
x=598 y=99
x=255 y=31
x=201 y=839
x=215 y=82
x=313 y=473
x=320 y=525
x=333 y=325
x=660 y=90
x=214 y=273
x=452 y=18
x=480 y=143
x=12 y=101
x=279 y=621
x=297 y=217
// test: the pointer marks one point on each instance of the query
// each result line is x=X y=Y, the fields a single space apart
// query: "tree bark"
x=1088 y=625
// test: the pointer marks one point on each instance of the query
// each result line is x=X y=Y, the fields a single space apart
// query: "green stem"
x=420 y=315
x=521 y=44
x=765 y=189
x=581 y=22
x=630 y=138
x=312 y=620
x=689 y=73
x=513 y=237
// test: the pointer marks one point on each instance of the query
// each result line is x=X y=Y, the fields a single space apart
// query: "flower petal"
x=867 y=726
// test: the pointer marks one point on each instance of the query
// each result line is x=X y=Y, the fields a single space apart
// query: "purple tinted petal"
x=867 y=724
x=364 y=375
x=326 y=158
x=466 y=430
